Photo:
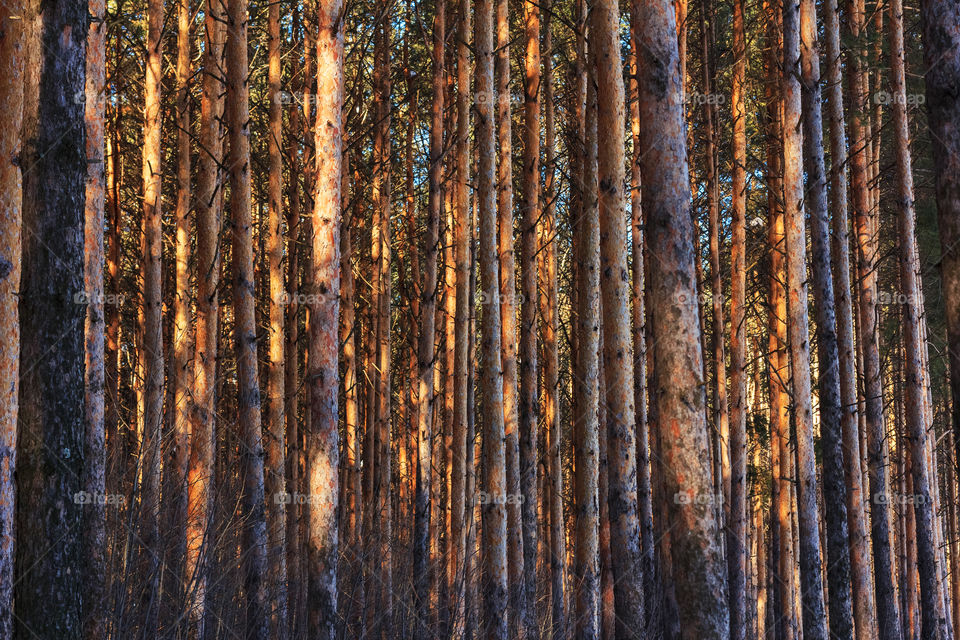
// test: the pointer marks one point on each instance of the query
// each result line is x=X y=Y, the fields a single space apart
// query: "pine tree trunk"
x=94 y=454
x=427 y=329
x=865 y=225
x=152 y=350
x=202 y=440
x=529 y=404
x=11 y=199
x=737 y=539
x=322 y=446
x=834 y=492
x=586 y=239
x=798 y=331
x=617 y=340
x=698 y=563
x=49 y=551
x=254 y=536
x=275 y=440
x=493 y=574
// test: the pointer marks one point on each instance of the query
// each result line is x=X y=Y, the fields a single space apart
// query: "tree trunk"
x=617 y=340
x=834 y=493
x=202 y=439
x=494 y=517
x=586 y=241
x=49 y=552
x=427 y=329
x=11 y=199
x=737 y=539
x=322 y=446
x=888 y=622
x=698 y=562
x=94 y=453
x=275 y=445
x=529 y=404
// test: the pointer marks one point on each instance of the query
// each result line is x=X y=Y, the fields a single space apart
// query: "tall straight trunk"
x=798 y=330
x=529 y=404
x=586 y=240
x=275 y=444
x=698 y=562
x=49 y=550
x=720 y=414
x=254 y=538
x=493 y=573
x=864 y=609
x=617 y=339
x=865 y=225
x=427 y=328
x=463 y=226
x=202 y=438
x=508 y=319
x=553 y=471
x=115 y=442
x=941 y=54
x=94 y=448
x=952 y=533
x=322 y=441
x=737 y=540
x=644 y=495
x=152 y=317
x=934 y=617
x=11 y=199
x=291 y=384
x=834 y=493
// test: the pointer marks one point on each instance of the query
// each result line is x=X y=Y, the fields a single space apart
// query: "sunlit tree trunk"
x=275 y=436
x=798 y=330
x=202 y=437
x=586 y=240
x=49 y=552
x=11 y=103
x=737 y=541
x=865 y=226
x=698 y=562
x=152 y=351
x=94 y=453
x=426 y=347
x=322 y=441
x=529 y=405
x=837 y=552
x=493 y=573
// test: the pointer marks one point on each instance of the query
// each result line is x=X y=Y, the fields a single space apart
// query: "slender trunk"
x=586 y=241
x=865 y=224
x=11 y=199
x=798 y=331
x=698 y=564
x=202 y=440
x=152 y=318
x=834 y=493
x=529 y=404
x=254 y=537
x=737 y=539
x=94 y=452
x=322 y=446
x=427 y=328
x=494 y=517
x=275 y=445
